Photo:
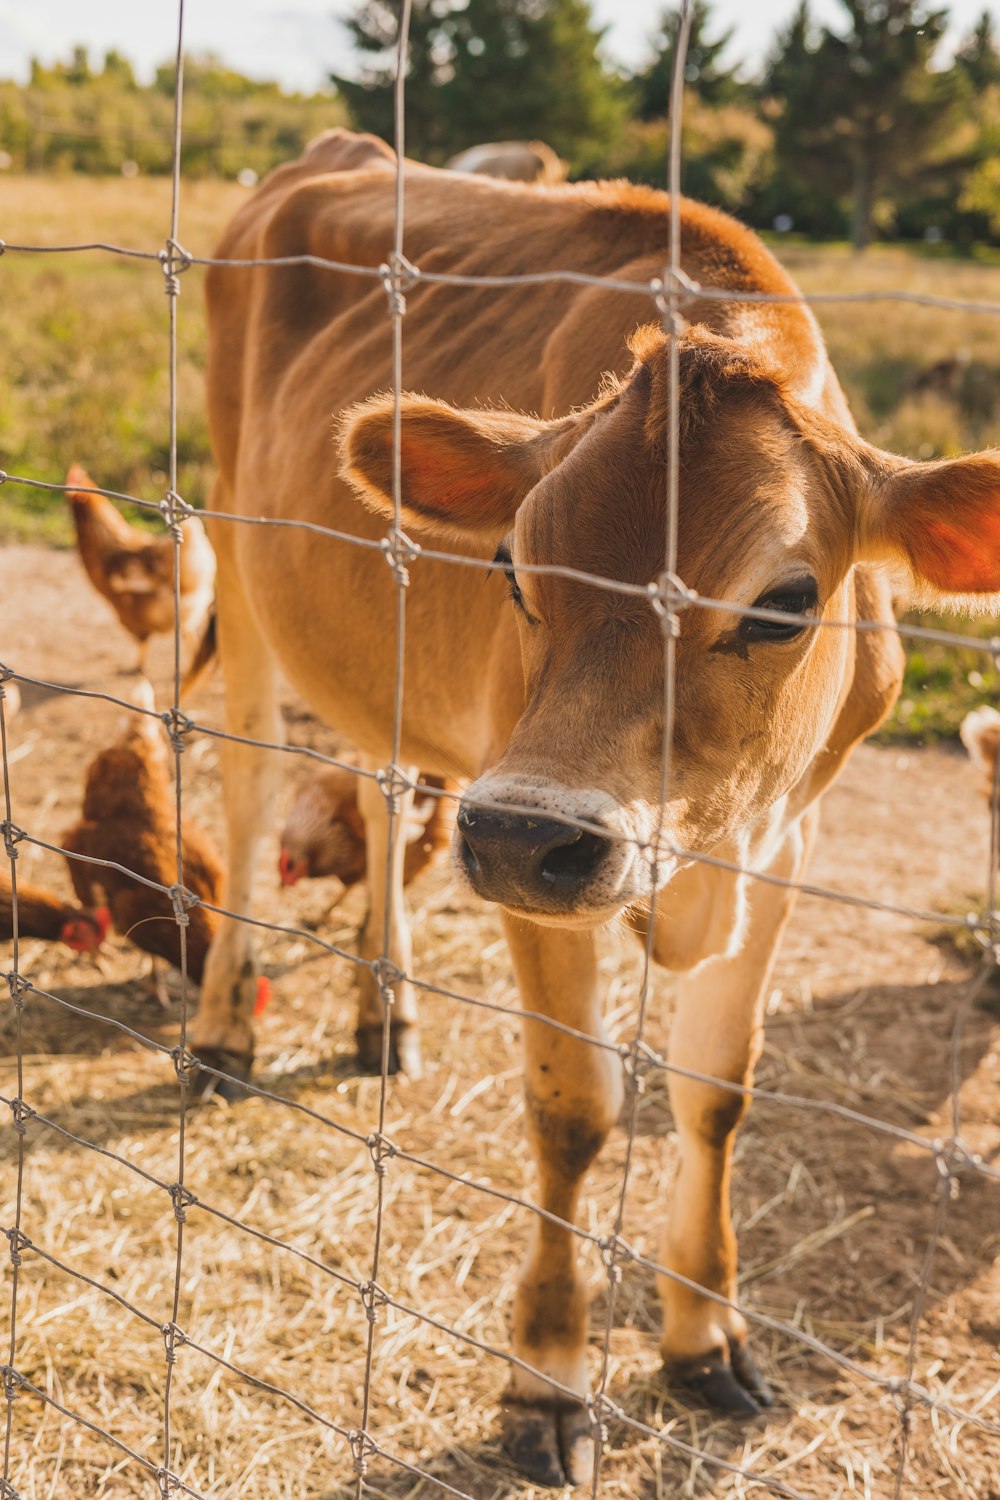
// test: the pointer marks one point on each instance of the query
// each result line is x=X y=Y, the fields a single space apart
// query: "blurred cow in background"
x=517 y=161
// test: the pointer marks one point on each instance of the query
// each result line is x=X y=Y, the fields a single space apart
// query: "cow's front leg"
x=573 y=1094
x=222 y=1031
x=378 y=942
x=718 y=1031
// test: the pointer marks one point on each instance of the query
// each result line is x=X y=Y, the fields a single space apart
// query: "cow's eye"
x=798 y=598
x=503 y=560
x=512 y=588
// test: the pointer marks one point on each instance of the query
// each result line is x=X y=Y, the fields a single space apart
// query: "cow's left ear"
x=462 y=472
x=942 y=519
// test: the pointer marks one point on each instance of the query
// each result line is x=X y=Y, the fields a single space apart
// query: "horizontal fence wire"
x=951 y=1157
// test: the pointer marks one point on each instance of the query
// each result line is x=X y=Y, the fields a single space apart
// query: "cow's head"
x=777 y=505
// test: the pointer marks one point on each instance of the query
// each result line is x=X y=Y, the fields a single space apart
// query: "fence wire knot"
x=18 y=986
x=12 y=836
x=174 y=261
x=399 y=550
x=181 y=899
x=21 y=1113
x=952 y=1157
x=597 y=1407
x=168 y=1481
x=177 y=726
x=668 y=595
x=16 y=1242
x=363 y=1448
x=174 y=509
x=398 y=275
x=387 y=976
x=6 y=673
x=614 y=1253
x=12 y=1381
x=382 y=1150
x=185 y=1065
x=7 y=1490
x=372 y=1298
x=392 y=782
x=637 y=1060
x=671 y=292
x=174 y=1338
x=182 y=1198
x=984 y=927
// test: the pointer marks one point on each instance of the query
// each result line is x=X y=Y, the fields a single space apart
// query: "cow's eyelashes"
x=504 y=560
x=798 y=598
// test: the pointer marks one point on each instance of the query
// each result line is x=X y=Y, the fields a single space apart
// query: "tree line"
x=851 y=128
x=857 y=128
x=78 y=116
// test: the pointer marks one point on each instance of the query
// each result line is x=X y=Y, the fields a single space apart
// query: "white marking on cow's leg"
x=249 y=781
x=573 y=1093
x=374 y=943
x=717 y=1030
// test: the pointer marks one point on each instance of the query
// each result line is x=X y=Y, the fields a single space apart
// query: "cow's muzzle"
x=528 y=860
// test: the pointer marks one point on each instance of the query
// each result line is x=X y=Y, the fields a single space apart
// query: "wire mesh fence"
x=361 y=1451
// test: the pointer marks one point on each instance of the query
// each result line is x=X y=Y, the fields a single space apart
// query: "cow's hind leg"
x=222 y=1032
x=573 y=1092
x=717 y=1031
x=379 y=942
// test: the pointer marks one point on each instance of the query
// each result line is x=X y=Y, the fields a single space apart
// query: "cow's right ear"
x=462 y=472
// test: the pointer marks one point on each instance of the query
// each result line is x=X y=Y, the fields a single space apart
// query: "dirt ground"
x=834 y=1218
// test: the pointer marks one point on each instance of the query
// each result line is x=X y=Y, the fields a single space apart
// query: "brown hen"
x=135 y=571
x=40 y=914
x=129 y=818
x=324 y=833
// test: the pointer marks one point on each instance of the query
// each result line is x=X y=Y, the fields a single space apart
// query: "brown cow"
x=539 y=437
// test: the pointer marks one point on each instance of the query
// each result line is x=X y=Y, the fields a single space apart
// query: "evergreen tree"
x=704 y=73
x=490 y=70
x=978 y=57
x=861 y=113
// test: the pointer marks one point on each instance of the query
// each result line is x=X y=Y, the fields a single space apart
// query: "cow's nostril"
x=573 y=861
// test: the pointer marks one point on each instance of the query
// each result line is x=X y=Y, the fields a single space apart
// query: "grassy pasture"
x=85 y=336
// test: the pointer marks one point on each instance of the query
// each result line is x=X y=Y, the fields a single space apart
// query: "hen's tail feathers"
x=204 y=657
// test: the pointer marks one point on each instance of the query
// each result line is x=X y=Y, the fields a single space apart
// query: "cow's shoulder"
x=333 y=152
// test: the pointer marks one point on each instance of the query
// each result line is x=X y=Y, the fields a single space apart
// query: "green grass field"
x=84 y=338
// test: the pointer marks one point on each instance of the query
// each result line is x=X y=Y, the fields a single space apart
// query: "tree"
x=862 y=113
x=704 y=73
x=486 y=70
x=978 y=57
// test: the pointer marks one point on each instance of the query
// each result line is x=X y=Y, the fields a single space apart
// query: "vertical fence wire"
x=387 y=974
x=19 y=1115
x=172 y=265
x=669 y=624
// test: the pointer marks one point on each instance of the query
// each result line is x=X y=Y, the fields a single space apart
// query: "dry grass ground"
x=834 y=1219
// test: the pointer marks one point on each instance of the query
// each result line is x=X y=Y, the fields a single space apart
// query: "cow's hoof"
x=236 y=1068
x=549 y=1442
x=730 y=1384
x=404 y=1049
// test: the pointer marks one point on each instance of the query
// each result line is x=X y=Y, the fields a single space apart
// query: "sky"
x=300 y=41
